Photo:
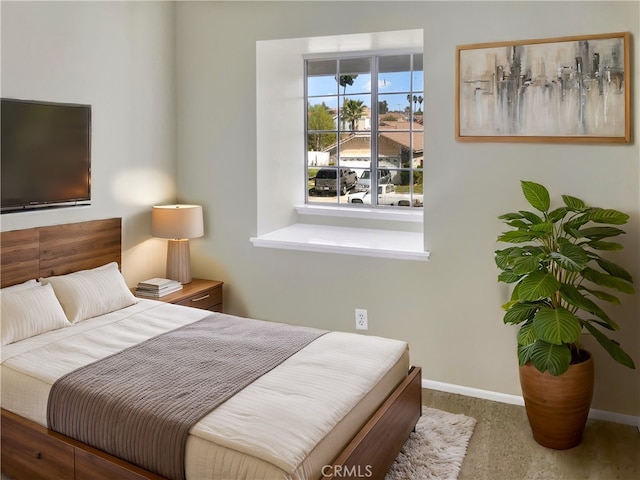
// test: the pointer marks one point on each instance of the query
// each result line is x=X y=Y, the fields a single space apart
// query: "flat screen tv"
x=46 y=155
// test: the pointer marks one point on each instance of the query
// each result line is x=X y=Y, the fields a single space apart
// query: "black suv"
x=326 y=180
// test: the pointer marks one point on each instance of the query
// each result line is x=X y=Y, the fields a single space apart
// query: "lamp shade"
x=177 y=221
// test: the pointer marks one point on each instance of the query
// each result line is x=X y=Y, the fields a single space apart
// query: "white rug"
x=436 y=449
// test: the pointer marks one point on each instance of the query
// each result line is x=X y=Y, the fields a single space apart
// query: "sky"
x=392 y=87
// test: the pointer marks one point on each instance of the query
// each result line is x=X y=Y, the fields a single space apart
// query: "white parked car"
x=364 y=182
x=386 y=196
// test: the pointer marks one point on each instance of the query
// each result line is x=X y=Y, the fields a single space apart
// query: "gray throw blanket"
x=139 y=404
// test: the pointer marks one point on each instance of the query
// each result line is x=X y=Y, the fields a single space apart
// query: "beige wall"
x=449 y=307
x=120 y=58
x=173 y=94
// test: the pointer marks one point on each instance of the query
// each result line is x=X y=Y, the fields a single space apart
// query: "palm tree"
x=346 y=80
x=352 y=110
x=416 y=99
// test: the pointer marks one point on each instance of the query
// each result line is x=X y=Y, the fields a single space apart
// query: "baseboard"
x=518 y=400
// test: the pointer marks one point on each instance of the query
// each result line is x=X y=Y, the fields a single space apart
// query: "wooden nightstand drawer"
x=210 y=299
x=199 y=293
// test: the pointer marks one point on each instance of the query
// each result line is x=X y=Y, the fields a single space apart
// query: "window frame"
x=374 y=133
x=283 y=221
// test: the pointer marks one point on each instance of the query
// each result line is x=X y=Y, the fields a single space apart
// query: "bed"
x=308 y=417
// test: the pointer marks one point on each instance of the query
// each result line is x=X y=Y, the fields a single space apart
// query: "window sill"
x=414 y=215
x=346 y=240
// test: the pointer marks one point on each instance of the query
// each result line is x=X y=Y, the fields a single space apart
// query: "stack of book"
x=157 y=287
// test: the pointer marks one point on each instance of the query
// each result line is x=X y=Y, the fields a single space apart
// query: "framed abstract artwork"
x=562 y=90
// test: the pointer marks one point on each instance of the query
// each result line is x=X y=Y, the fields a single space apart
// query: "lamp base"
x=179 y=260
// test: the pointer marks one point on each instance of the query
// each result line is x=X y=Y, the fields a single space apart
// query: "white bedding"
x=286 y=425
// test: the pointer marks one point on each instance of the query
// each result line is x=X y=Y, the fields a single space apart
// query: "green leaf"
x=573 y=297
x=532 y=217
x=572 y=230
x=505 y=258
x=576 y=222
x=527 y=335
x=570 y=257
x=525 y=264
x=502 y=262
x=518 y=224
x=554 y=358
x=510 y=216
x=524 y=354
x=544 y=227
x=557 y=325
x=508 y=277
x=533 y=250
x=598 y=215
x=611 y=346
x=538 y=285
x=515 y=296
x=516 y=236
x=605 y=215
x=614 y=269
x=520 y=312
x=600 y=233
x=599 y=322
x=605 y=246
x=558 y=214
x=536 y=195
x=607 y=297
x=502 y=258
x=605 y=280
x=573 y=203
x=509 y=304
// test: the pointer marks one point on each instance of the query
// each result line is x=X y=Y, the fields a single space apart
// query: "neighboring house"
x=395 y=146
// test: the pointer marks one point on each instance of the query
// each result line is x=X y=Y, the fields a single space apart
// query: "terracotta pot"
x=558 y=407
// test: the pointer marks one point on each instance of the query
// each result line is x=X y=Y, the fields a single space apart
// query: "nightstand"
x=199 y=293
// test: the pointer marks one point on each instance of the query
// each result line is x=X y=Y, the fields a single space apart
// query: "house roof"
x=397 y=132
x=403 y=137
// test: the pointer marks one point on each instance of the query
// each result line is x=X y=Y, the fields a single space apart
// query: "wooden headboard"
x=59 y=249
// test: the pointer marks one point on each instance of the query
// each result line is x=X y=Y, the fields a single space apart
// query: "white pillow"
x=89 y=293
x=21 y=286
x=28 y=312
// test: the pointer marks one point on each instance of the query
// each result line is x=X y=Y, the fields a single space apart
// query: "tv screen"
x=46 y=154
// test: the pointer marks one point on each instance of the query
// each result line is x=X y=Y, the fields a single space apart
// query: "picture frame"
x=555 y=90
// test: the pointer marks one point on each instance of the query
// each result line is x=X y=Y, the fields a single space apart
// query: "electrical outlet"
x=361 y=319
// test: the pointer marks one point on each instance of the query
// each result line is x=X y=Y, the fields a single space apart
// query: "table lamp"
x=178 y=223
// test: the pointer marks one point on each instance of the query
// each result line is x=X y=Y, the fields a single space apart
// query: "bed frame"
x=30 y=451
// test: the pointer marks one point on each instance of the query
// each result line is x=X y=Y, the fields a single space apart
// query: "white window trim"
x=346 y=240
x=280 y=201
x=412 y=215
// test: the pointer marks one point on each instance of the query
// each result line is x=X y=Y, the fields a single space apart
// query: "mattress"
x=286 y=425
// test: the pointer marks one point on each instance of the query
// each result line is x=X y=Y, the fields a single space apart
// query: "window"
x=364 y=130
x=285 y=218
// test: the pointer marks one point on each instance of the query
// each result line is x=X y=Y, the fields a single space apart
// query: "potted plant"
x=559 y=281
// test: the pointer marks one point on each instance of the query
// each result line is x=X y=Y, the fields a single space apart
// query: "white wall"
x=448 y=308
x=118 y=57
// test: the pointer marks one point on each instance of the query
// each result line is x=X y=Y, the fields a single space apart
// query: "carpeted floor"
x=502 y=447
